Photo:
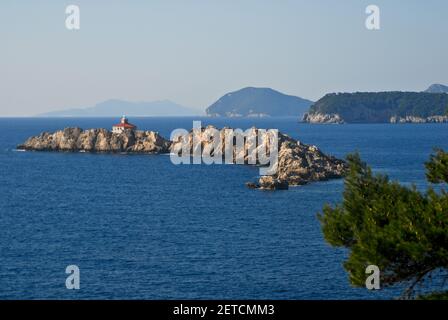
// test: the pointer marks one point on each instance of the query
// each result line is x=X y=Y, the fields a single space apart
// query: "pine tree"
x=399 y=229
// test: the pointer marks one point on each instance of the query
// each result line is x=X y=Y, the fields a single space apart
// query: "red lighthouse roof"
x=125 y=124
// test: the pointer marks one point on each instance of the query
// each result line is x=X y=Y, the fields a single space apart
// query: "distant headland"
x=380 y=107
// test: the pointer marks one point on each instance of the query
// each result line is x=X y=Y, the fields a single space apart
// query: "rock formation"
x=97 y=140
x=322 y=118
x=298 y=163
x=413 y=119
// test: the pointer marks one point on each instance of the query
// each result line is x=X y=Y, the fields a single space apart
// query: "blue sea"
x=139 y=227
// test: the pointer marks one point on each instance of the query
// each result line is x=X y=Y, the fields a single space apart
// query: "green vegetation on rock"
x=363 y=107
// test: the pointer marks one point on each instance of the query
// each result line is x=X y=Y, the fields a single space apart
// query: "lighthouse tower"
x=123 y=125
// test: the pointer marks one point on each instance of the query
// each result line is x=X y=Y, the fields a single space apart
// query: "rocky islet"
x=298 y=163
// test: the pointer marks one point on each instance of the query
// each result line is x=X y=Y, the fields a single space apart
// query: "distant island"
x=380 y=107
x=114 y=107
x=258 y=102
x=437 y=88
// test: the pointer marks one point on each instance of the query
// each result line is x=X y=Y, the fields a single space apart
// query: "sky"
x=192 y=52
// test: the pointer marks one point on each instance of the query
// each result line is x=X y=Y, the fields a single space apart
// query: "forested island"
x=380 y=107
x=258 y=102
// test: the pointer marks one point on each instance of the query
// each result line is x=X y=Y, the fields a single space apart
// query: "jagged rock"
x=271 y=183
x=252 y=185
x=298 y=163
x=268 y=183
x=322 y=118
x=98 y=140
x=150 y=140
x=414 y=119
x=207 y=143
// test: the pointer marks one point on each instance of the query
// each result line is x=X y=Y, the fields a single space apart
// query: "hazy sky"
x=192 y=52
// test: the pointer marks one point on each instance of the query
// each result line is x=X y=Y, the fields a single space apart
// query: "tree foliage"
x=437 y=167
x=401 y=230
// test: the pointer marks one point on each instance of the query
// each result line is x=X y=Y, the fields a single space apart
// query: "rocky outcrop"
x=268 y=183
x=413 y=119
x=204 y=136
x=298 y=163
x=97 y=140
x=337 y=119
x=258 y=115
x=322 y=118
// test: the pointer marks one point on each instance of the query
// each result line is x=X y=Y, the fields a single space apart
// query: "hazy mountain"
x=437 y=88
x=115 y=108
x=250 y=101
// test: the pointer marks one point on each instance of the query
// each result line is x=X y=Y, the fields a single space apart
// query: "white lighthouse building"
x=123 y=125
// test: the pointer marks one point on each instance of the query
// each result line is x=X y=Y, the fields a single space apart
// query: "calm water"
x=141 y=228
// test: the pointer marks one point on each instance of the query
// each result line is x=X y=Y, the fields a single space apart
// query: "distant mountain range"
x=114 y=108
x=361 y=107
x=258 y=102
x=437 y=88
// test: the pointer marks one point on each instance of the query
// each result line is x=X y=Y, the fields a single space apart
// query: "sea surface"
x=139 y=227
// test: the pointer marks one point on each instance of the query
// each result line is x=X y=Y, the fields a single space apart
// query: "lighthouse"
x=123 y=125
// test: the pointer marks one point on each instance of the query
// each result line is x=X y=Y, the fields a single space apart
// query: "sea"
x=140 y=227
